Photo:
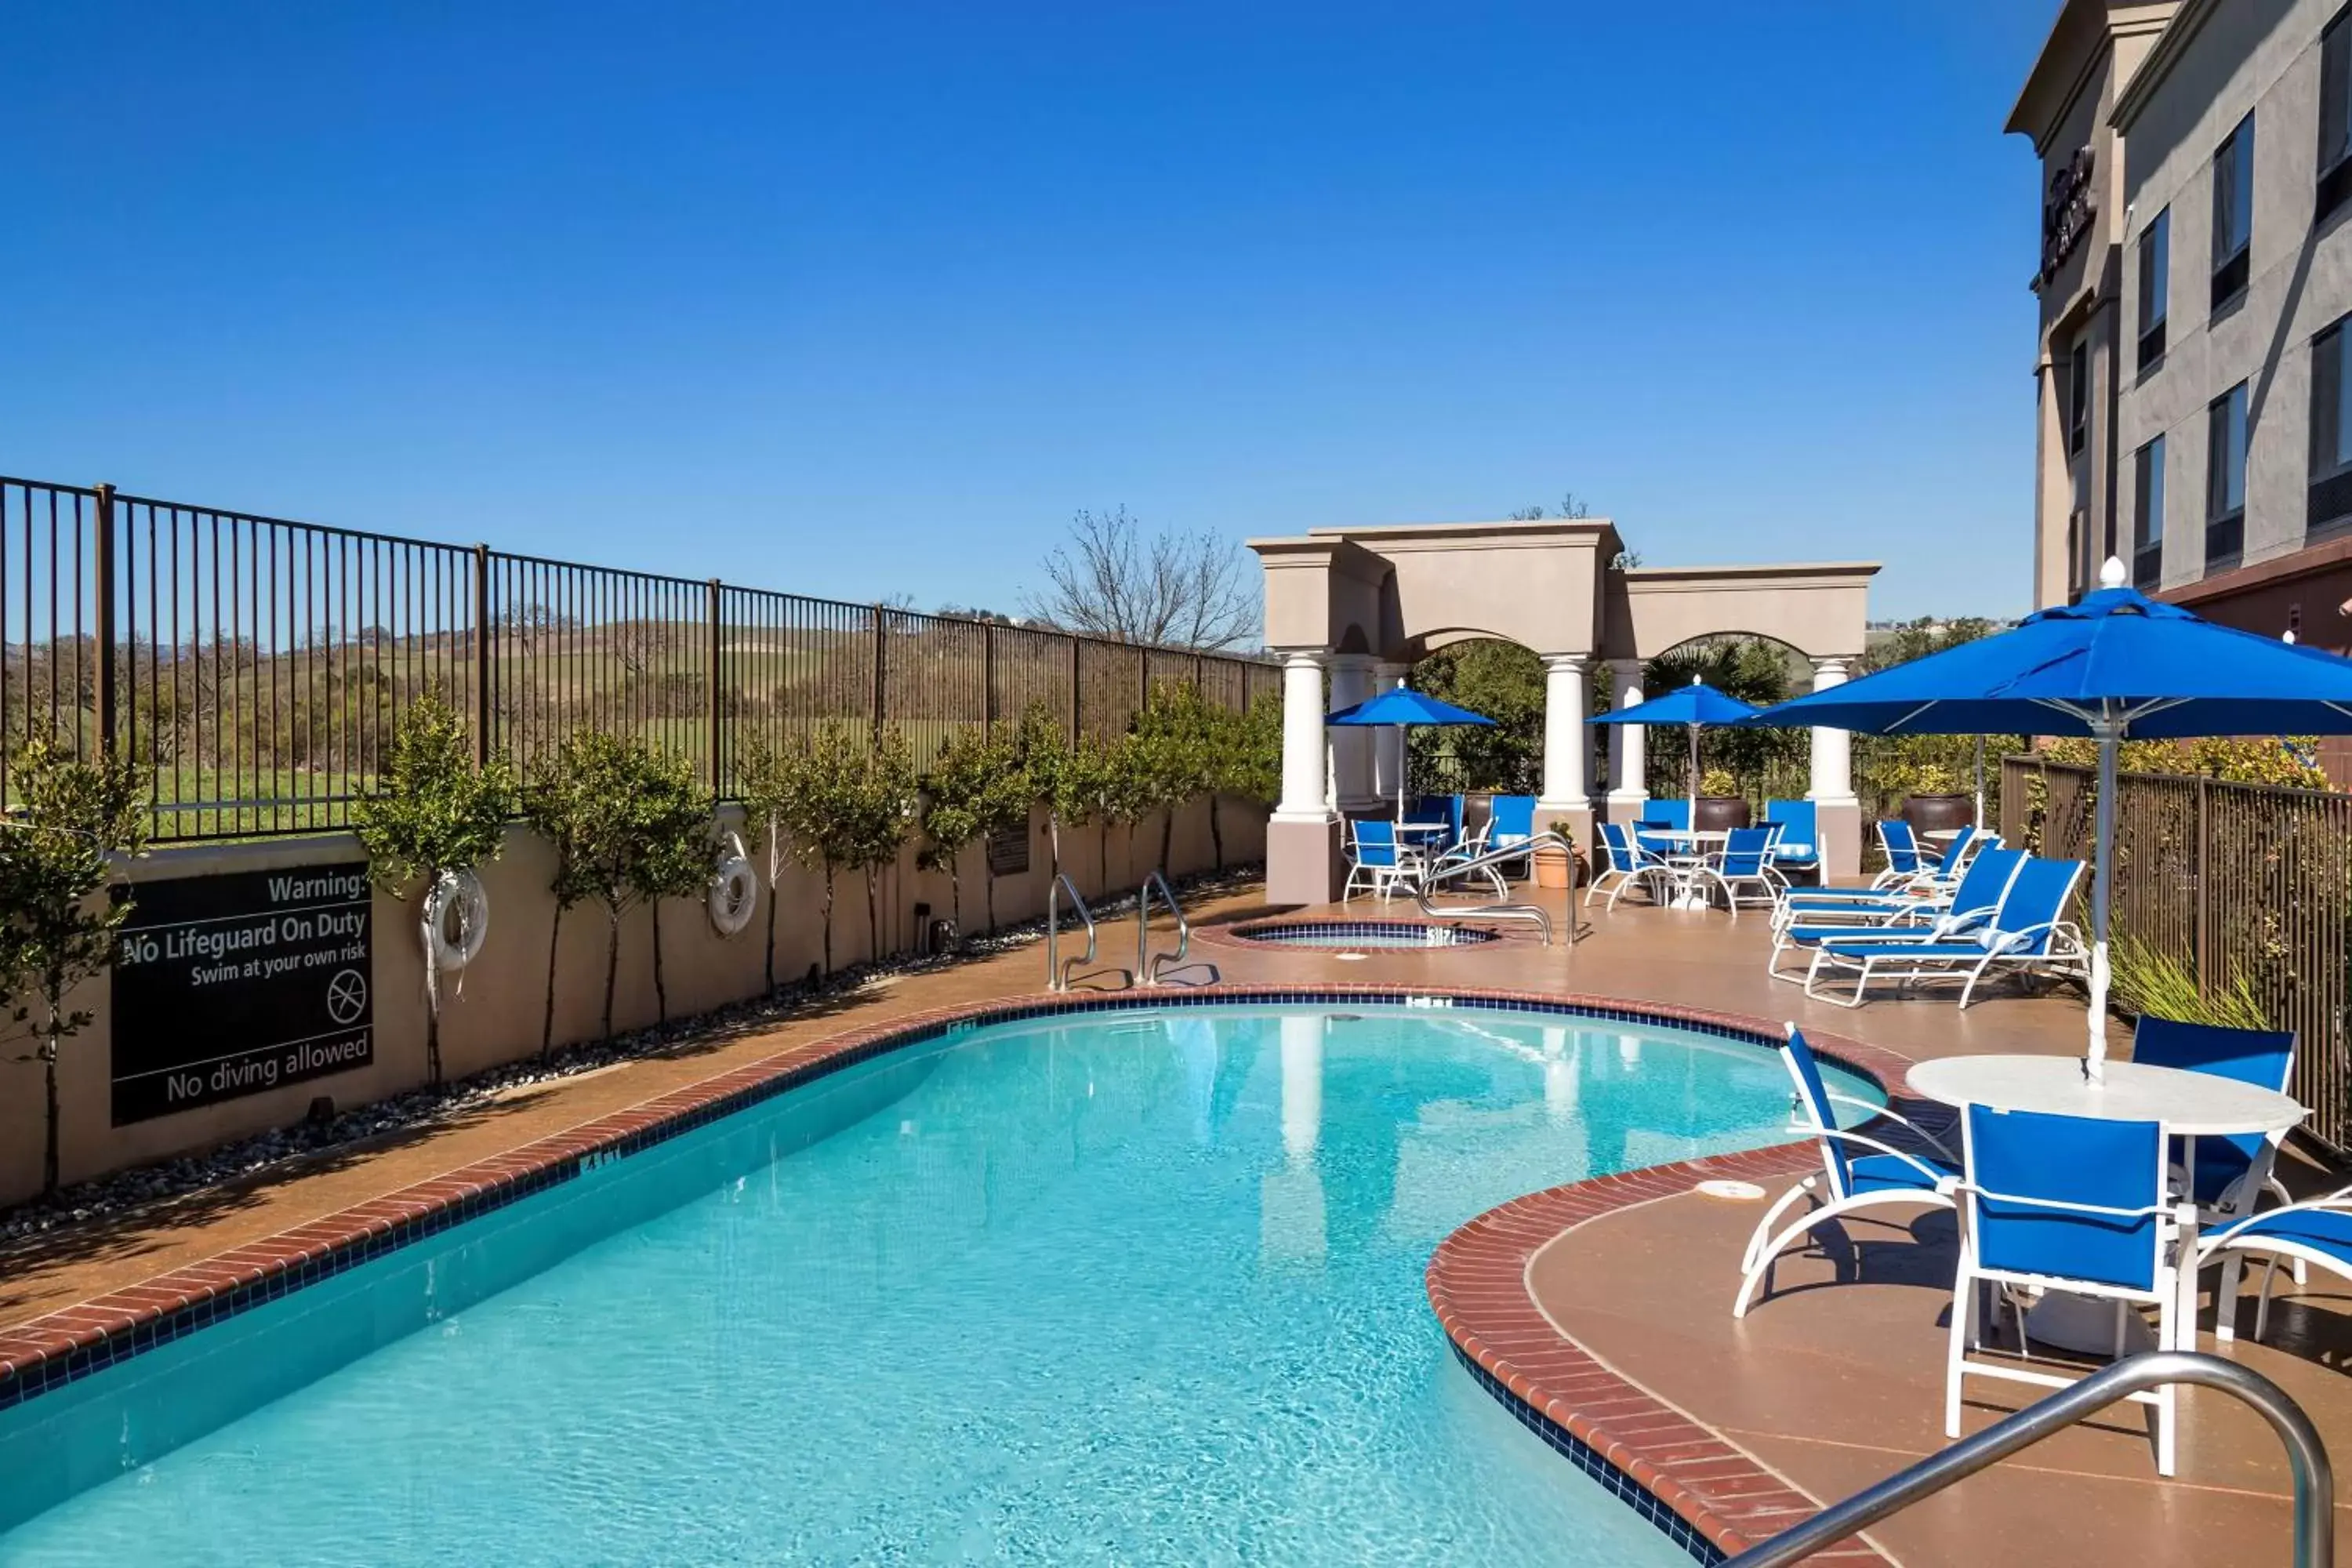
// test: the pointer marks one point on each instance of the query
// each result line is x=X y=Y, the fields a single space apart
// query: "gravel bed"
x=126 y=1191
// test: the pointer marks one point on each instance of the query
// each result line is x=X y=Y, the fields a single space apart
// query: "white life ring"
x=734 y=889
x=459 y=893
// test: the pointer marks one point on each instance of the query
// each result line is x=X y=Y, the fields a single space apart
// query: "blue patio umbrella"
x=1695 y=704
x=2116 y=667
x=1403 y=707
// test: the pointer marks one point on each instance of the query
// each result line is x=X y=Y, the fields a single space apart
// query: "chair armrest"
x=1897 y=1117
x=1913 y=1161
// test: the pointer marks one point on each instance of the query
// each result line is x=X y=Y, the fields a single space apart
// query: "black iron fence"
x=2248 y=885
x=256 y=667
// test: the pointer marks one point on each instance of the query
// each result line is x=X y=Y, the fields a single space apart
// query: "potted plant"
x=1933 y=800
x=1721 y=807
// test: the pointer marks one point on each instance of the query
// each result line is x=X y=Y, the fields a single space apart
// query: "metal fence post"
x=482 y=663
x=717 y=710
x=2201 y=867
x=881 y=667
x=1076 y=706
x=988 y=673
x=102 y=631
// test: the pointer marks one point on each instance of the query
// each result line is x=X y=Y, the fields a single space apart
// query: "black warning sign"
x=232 y=985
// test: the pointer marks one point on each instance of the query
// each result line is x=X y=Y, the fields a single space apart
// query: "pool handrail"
x=1521 y=849
x=1146 y=962
x=1058 y=975
x=2314 y=1477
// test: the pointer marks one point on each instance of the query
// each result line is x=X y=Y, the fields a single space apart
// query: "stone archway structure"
x=1361 y=605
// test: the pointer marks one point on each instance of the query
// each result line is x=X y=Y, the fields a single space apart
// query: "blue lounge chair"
x=2315 y=1231
x=1511 y=819
x=1902 y=848
x=2067 y=1203
x=2029 y=931
x=1857 y=1172
x=1745 y=862
x=1798 y=848
x=1625 y=864
x=2224 y=1176
x=1872 y=916
x=1376 y=860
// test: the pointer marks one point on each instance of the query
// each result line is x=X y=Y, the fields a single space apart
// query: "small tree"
x=433 y=812
x=629 y=805
x=881 y=815
x=57 y=849
x=770 y=778
x=1048 y=770
x=1192 y=589
x=1173 y=752
x=954 y=795
x=814 y=788
x=671 y=812
x=1005 y=798
x=558 y=808
x=1245 y=761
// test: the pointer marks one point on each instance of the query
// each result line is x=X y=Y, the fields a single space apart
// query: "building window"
x=2330 y=508
x=2225 y=480
x=2078 y=396
x=2234 y=213
x=2336 y=114
x=2148 y=514
x=2154 y=285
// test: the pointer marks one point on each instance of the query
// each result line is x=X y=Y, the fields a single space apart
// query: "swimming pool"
x=1133 y=1286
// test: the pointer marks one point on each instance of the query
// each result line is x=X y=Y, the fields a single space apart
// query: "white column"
x=1567 y=742
x=1833 y=749
x=1351 y=748
x=1388 y=743
x=1302 y=1086
x=1628 y=778
x=1302 y=741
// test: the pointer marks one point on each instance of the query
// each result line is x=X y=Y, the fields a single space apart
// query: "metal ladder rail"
x=1146 y=962
x=1529 y=914
x=2315 y=1480
x=1057 y=977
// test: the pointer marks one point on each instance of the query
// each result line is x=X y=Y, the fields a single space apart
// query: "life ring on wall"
x=734 y=889
x=459 y=893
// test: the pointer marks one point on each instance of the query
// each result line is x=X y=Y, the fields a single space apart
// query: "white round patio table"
x=1695 y=843
x=2189 y=1104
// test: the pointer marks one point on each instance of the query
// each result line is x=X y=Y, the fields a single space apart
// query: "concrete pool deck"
x=1823 y=1388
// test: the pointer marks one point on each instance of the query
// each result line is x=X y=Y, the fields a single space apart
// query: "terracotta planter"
x=1718 y=813
x=1938 y=813
x=1551 y=866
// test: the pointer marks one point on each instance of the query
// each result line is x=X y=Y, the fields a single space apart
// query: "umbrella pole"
x=2109 y=732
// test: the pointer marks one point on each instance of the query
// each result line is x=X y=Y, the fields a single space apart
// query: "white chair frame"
x=2172 y=1292
x=1383 y=880
x=2065 y=953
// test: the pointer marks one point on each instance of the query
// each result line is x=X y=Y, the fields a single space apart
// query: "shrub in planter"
x=1721 y=807
x=71 y=819
x=432 y=818
x=1934 y=801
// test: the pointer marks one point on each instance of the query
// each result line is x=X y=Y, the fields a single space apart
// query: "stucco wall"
x=496 y=1011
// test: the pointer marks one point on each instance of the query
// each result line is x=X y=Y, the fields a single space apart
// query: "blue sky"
x=859 y=300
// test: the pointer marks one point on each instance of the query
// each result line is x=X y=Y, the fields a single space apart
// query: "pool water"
x=1138 y=1286
x=1363 y=934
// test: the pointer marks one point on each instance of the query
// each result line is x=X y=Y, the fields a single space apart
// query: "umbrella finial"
x=2111 y=575
x=2288 y=639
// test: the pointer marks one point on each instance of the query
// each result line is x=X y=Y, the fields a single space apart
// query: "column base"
x=1837 y=824
x=1302 y=861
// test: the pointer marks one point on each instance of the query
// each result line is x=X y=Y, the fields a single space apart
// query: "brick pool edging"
x=1709 y=1494
x=1610 y=1429
x=1250 y=934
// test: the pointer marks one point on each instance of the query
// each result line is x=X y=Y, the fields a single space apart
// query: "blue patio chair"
x=1803 y=928
x=1902 y=848
x=1745 y=862
x=2315 y=1231
x=1511 y=819
x=1626 y=864
x=1376 y=859
x=2224 y=1176
x=1798 y=847
x=2028 y=931
x=1857 y=1172
x=2071 y=1203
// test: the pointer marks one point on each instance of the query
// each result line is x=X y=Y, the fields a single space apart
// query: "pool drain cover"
x=1737 y=1192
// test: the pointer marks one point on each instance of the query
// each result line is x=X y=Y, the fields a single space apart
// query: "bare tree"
x=1186 y=590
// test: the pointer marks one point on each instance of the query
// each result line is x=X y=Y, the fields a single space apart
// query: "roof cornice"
x=2169 y=47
